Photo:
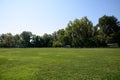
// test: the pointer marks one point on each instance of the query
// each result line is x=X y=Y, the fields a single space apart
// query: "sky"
x=47 y=16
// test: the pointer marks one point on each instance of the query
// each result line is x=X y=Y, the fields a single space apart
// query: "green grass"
x=60 y=64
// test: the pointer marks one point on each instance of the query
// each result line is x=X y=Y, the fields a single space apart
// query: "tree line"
x=78 y=33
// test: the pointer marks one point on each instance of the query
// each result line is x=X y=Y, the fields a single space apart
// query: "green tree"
x=26 y=37
x=37 y=41
x=54 y=36
x=69 y=34
x=7 y=40
x=80 y=32
x=109 y=24
x=18 y=40
x=60 y=38
x=48 y=40
x=110 y=28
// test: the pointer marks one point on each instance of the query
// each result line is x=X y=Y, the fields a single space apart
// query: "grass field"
x=60 y=64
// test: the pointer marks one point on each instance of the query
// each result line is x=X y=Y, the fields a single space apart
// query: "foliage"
x=78 y=33
x=110 y=28
x=26 y=37
x=81 y=32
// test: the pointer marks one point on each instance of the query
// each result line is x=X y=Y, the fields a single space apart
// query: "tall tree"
x=80 y=31
x=109 y=24
x=18 y=41
x=59 y=42
x=37 y=41
x=48 y=40
x=7 y=40
x=26 y=37
x=110 y=28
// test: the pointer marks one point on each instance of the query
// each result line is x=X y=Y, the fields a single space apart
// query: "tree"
x=109 y=24
x=37 y=41
x=69 y=34
x=48 y=40
x=80 y=32
x=7 y=40
x=110 y=28
x=26 y=37
x=54 y=36
x=18 y=41
x=59 y=41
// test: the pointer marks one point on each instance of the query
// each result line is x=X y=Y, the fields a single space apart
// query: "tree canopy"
x=78 y=33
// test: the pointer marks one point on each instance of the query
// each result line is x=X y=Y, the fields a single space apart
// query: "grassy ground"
x=60 y=64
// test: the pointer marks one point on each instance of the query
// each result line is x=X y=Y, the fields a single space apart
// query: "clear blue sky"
x=47 y=16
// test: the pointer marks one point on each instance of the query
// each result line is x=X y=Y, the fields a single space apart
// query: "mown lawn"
x=60 y=64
